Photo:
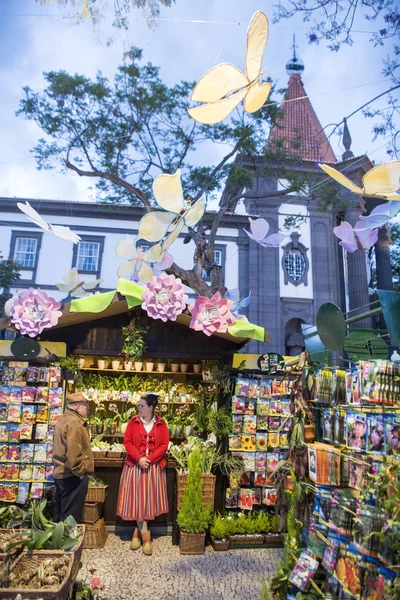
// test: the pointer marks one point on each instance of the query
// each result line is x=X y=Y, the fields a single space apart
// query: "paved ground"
x=128 y=575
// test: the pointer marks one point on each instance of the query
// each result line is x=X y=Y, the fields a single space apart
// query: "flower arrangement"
x=164 y=297
x=134 y=344
x=211 y=315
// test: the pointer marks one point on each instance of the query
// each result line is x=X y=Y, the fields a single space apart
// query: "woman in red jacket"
x=143 y=487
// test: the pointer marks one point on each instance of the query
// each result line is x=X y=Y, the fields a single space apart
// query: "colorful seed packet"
x=250 y=407
x=274 y=423
x=3 y=469
x=50 y=433
x=250 y=424
x=27 y=453
x=14 y=453
x=392 y=436
x=285 y=407
x=235 y=442
x=28 y=394
x=327 y=425
x=39 y=473
x=8 y=491
x=23 y=493
x=262 y=407
x=242 y=387
x=246 y=478
x=356 y=431
x=4 y=394
x=15 y=396
x=49 y=473
x=41 y=432
x=375 y=434
x=55 y=397
x=19 y=374
x=279 y=387
x=14 y=413
x=25 y=472
x=269 y=496
x=42 y=395
x=13 y=432
x=3 y=452
x=43 y=374
x=26 y=431
x=3 y=412
x=245 y=499
x=231 y=498
x=28 y=414
x=40 y=453
x=261 y=461
x=36 y=491
x=234 y=480
x=8 y=374
x=42 y=414
x=238 y=405
x=265 y=388
x=49 y=453
x=262 y=442
x=304 y=570
x=3 y=432
x=259 y=478
x=272 y=461
x=237 y=421
x=274 y=407
x=249 y=443
x=257 y=496
x=55 y=374
x=262 y=423
x=249 y=459
x=32 y=374
x=284 y=440
x=273 y=440
x=12 y=472
x=253 y=390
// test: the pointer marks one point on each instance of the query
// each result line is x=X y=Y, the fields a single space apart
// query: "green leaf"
x=58 y=535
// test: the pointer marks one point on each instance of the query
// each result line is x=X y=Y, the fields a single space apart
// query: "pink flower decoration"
x=211 y=315
x=33 y=310
x=164 y=297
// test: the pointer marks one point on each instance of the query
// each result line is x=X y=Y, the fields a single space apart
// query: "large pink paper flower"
x=211 y=315
x=33 y=310
x=164 y=297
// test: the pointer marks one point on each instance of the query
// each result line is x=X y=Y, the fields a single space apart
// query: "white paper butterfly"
x=259 y=233
x=62 y=232
x=75 y=287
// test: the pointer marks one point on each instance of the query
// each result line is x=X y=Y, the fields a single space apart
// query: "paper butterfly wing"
x=154 y=225
x=383 y=181
x=126 y=270
x=208 y=114
x=345 y=233
x=90 y=285
x=257 y=37
x=381 y=214
x=342 y=179
x=259 y=229
x=272 y=240
x=153 y=254
x=71 y=280
x=195 y=212
x=233 y=295
x=167 y=190
x=218 y=82
x=65 y=233
x=256 y=97
x=126 y=249
x=366 y=237
x=173 y=235
x=145 y=273
x=33 y=216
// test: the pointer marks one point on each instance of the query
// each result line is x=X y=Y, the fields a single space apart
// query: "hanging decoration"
x=75 y=286
x=62 y=232
x=142 y=266
x=168 y=193
x=164 y=297
x=381 y=214
x=211 y=315
x=382 y=181
x=238 y=302
x=357 y=238
x=224 y=86
x=33 y=310
x=259 y=233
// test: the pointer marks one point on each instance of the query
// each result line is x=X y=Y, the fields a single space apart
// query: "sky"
x=36 y=39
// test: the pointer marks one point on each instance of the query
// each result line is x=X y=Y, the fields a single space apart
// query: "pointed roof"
x=299 y=130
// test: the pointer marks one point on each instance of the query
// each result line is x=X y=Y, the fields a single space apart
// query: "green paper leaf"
x=93 y=304
x=247 y=330
x=132 y=292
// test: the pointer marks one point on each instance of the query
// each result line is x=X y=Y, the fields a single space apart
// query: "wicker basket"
x=238 y=540
x=95 y=535
x=96 y=494
x=192 y=543
x=27 y=560
x=100 y=454
x=91 y=512
x=219 y=545
x=208 y=489
x=113 y=454
x=5 y=536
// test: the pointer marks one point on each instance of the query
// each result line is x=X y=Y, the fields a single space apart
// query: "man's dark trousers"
x=70 y=498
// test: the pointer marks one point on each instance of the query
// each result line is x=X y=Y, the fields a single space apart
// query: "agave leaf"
x=68 y=544
x=57 y=535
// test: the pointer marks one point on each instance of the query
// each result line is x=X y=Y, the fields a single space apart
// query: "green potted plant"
x=70 y=366
x=161 y=365
x=187 y=423
x=220 y=422
x=101 y=362
x=184 y=366
x=125 y=417
x=149 y=365
x=81 y=361
x=218 y=533
x=196 y=367
x=206 y=369
x=174 y=365
x=193 y=518
x=113 y=421
x=115 y=363
x=134 y=344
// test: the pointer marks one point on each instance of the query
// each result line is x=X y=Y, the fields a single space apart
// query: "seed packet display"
x=250 y=406
x=3 y=432
x=375 y=434
x=272 y=461
x=253 y=390
x=265 y=388
x=250 y=424
x=274 y=423
x=3 y=412
x=235 y=442
x=284 y=440
x=356 y=430
x=286 y=423
x=262 y=407
x=12 y=472
x=238 y=405
x=231 y=498
x=8 y=374
x=15 y=396
x=8 y=491
x=246 y=478
x=32 y=374
x=26 y=431
x=50 y=433
x=242 y=387
x=41 y=432
x=304 y=570
x=245 y=499
x=49 y=473
x=4 y=394
x=3 y=453
x=28 y=414
x=49 y=453
x=256 y=496
x=27 y=453
x=25 y=472
x=259 y=478
x=36 y=491
x=40 y=453
x=19 y=374
x=261 y=461
x=237 y=421
x=273 y=440
x=55 y=374
x=23 y=493
x=262 y=423
x=39 y=473
x=327 y=425
x=249 y=459
x=392 y=435
x=13 y=453
x=262 y=442
x=55 y=397
x=13 y=432
x=55 y=414
x=248 y=443
x=269 y=496
x=14 y=413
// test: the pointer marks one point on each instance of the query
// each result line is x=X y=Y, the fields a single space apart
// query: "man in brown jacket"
x=72 y=459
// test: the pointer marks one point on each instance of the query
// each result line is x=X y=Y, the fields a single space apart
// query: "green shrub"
x=219 y=527
x=251 y=524
x=263 y=522
x=275 y=524
x=193 y=517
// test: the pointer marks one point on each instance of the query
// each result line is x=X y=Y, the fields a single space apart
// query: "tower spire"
x=295 y=64
x=346 y=141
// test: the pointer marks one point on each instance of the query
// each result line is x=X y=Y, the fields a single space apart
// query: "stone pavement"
x=129 y=575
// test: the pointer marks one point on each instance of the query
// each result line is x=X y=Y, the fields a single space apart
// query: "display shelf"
x=143 y=372
x=163 y=402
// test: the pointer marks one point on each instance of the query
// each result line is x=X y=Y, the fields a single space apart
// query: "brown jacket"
x=72 y=454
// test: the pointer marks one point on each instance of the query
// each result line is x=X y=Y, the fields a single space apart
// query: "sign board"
x=269 y=363
x=46 y=348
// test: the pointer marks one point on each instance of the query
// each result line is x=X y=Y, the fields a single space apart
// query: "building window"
x=295 y=263
x=87 y=255
x=219 y=260
x=25 y=251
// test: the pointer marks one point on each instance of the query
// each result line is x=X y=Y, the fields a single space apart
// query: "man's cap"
x=76 y=397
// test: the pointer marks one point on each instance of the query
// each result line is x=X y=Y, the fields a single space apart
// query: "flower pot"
x=192 y=543
x=288 y=483
x=184 y=367
x=206 y=375
x=196 y=368
x=149 y=366
x=128 y=365
x=178 y=431
x=112 y=429
x=123 y=427
x=174 y=367
x=138 y=366
x=101 y=364
x=99 y=428
x=309 y=433
x=172 y=430
x=115 y=365
x=81 y=363
x=220 y=545
x=188 y=430
x=161 y=367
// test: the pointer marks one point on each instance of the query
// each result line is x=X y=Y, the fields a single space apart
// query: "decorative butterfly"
x=259 y=233
x=224 y=86
x=75 y=287
x=382 y=181
x=239 y=302
x=142 y=266
x=381 y=215
x=62 y=232
x=357 y=238
x=154 y=226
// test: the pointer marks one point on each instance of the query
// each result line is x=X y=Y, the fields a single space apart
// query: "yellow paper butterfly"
x=382 y=181
x=224 y=86
x=75 y=286
x=155 y=225
x=141 y=265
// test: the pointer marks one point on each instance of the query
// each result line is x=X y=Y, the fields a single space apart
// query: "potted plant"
x=196 y=367
x=193 y=518
x=125 y=418
x=115 y=364
x=70 y=366
x=101 y=362
x=149 y=365
x=184 y=366
x=218 y=534
x=161 y=364
x=187 y=423
x=220 y=422
x=127 y=362
x=206 y=369
x=113 y=421
x=81 y=361
x=174 y=365
x=134 y=344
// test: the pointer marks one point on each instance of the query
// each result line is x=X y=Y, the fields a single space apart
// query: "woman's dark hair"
x=151 y=400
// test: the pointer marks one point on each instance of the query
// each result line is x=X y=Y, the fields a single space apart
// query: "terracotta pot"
x=128 y=365
x=115 y=365
x=174 y=367
x=149 y=366
x=161 y=367
x=138 y=366
x=101 y=364
x=288 y=483
x=196 y=368
x=309 y=433
x=184 y=367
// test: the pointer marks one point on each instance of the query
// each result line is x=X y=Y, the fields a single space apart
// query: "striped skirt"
x=142 y=493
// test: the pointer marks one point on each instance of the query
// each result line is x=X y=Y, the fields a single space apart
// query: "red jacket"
x=133 y=438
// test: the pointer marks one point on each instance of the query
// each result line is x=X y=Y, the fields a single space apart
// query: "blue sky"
x=35 y=39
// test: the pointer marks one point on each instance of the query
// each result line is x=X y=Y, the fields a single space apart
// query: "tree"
x=126 y=133
x=333 y=21
x=9 y=274
x=395 y=254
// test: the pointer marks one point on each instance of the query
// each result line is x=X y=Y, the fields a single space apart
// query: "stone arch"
x=294 y=340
